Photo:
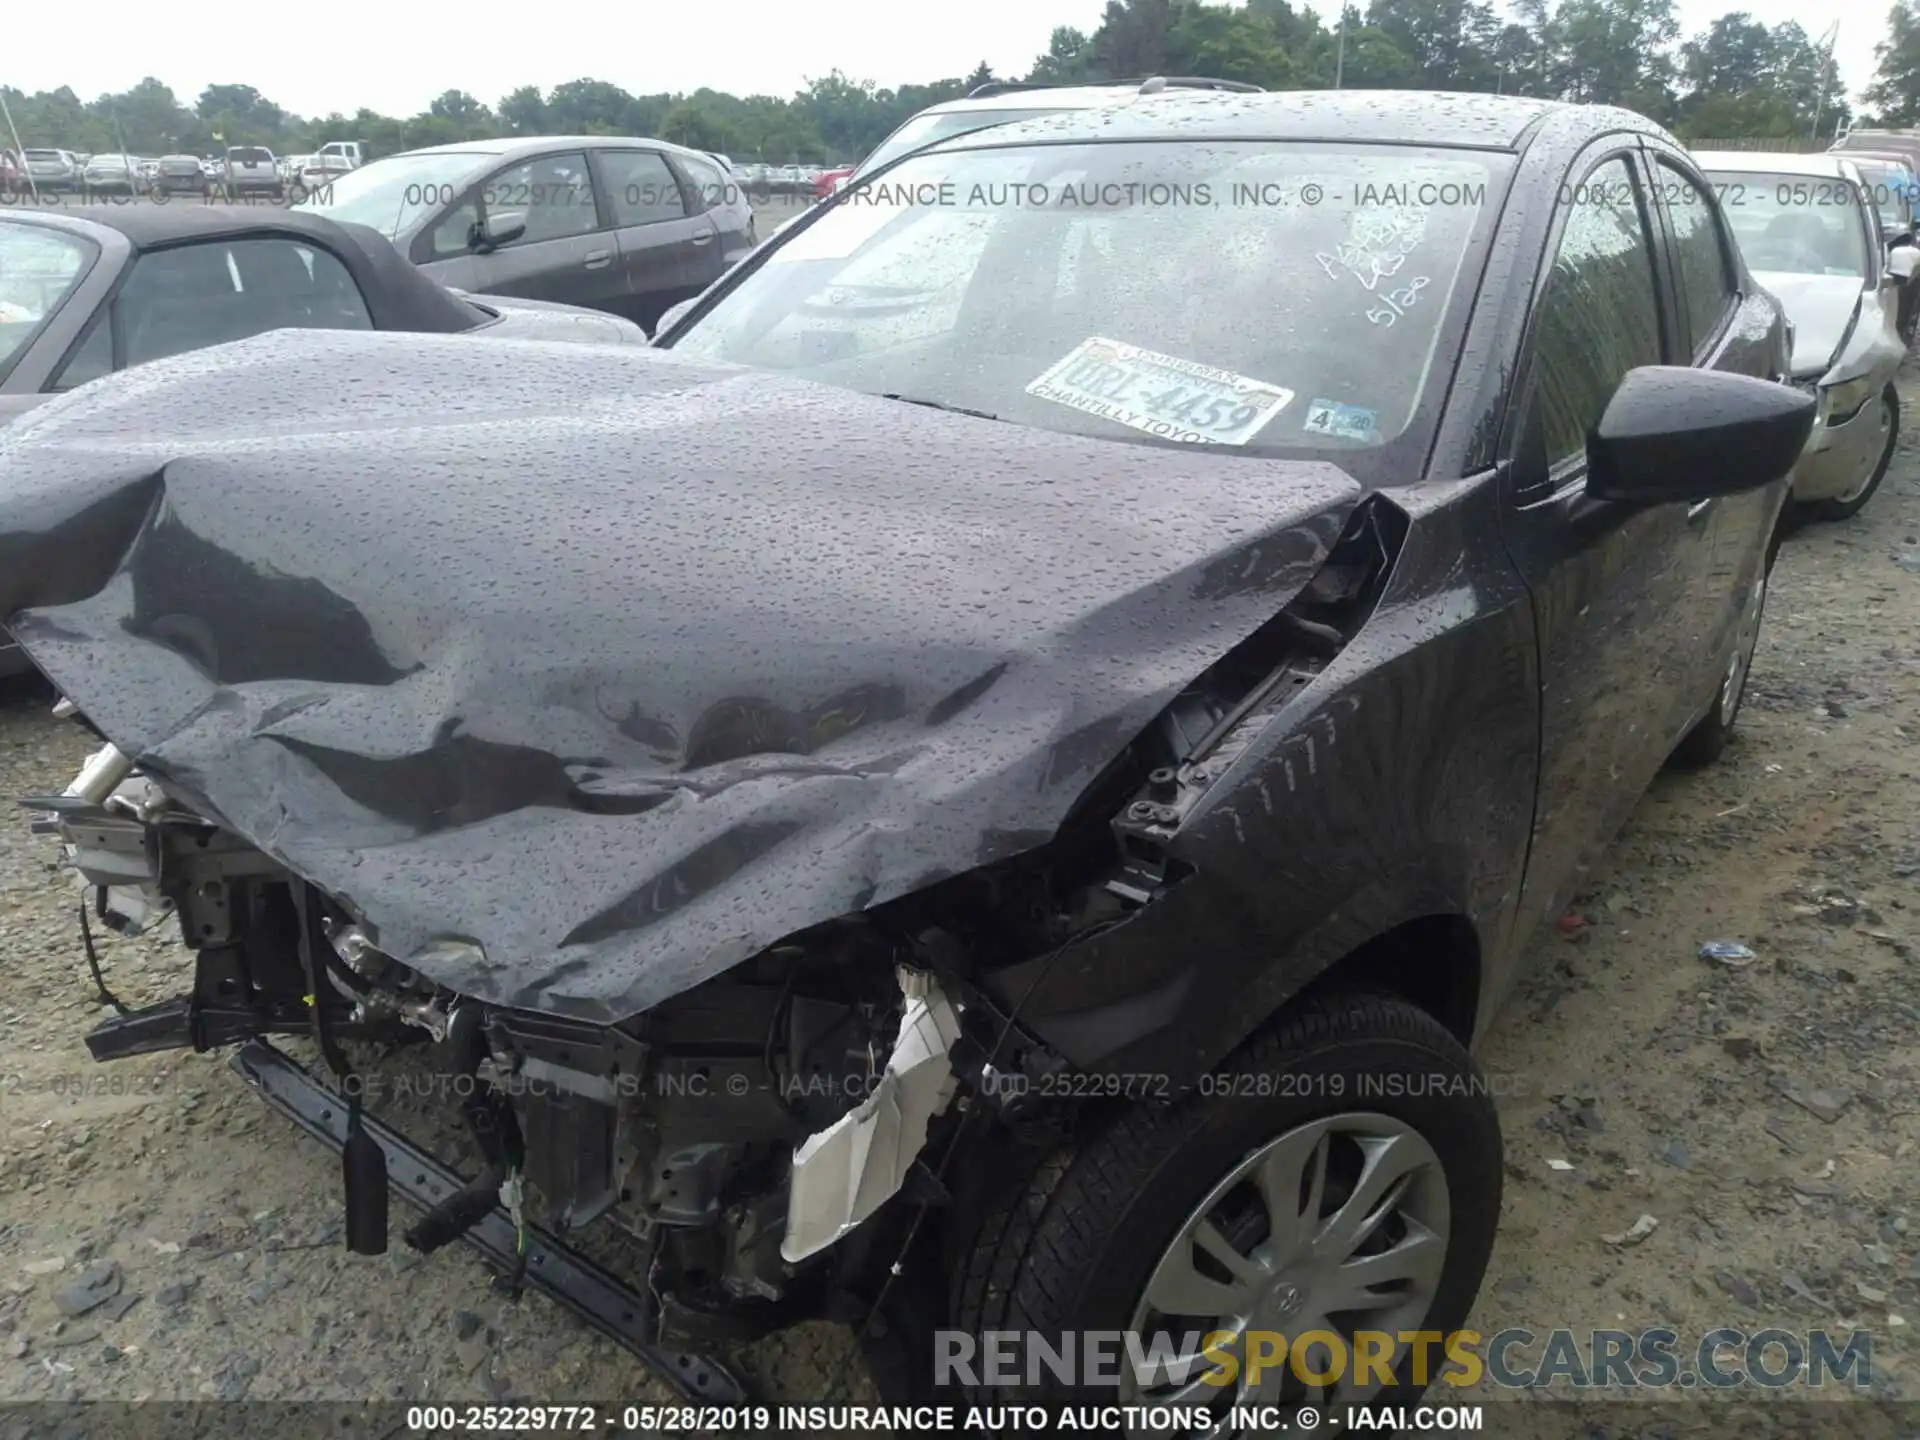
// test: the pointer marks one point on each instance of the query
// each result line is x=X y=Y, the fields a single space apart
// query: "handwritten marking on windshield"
x=1397 y=302
x=1377 y=246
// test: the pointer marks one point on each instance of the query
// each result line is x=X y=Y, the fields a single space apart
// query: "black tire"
x=1073 y=1249
x=1846 y=509
x=1708 y=739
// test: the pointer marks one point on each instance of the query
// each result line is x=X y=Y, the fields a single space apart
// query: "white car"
x=1003 y=103
x=316 y=172
x=1811 y=237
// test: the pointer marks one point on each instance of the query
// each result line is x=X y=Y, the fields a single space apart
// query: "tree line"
x=1736 y=78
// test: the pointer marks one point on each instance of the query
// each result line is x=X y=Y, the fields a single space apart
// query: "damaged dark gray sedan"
x=992 y=782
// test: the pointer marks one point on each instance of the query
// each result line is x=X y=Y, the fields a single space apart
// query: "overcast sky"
x=395 y=58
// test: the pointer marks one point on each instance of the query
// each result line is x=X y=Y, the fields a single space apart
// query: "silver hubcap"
x=1339 y=1225
x=1884 y=429
x=1734 y=687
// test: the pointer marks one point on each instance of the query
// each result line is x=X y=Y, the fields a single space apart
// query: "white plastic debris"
x=1559 y=1165
x=850 y=1169
x=1635 y=1232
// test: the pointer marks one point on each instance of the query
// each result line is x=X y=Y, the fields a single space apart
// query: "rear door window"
x=193 y=296
x=711 y=187
x=641 y=189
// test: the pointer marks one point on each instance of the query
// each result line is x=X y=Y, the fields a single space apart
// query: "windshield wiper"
x=941 y=405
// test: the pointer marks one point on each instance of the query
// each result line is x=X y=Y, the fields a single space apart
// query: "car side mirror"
x=1902 y=261
x=497 y=230
x=1675 y=434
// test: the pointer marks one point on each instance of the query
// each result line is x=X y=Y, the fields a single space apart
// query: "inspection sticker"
x=1349 y=422
x=1161 y=394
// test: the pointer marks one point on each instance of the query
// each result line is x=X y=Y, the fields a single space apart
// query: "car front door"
x=1620 y=657
x=566 y=252
x=668 y=250
x=1709 y=301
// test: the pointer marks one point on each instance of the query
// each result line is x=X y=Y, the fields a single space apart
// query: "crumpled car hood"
x=616 y=666
x=1820 y=307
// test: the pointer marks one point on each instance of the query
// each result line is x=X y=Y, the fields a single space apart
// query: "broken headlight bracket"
x=613 y=1308
x=1205 y=729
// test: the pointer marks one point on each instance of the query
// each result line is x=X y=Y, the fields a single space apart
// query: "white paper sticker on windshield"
x=1161 y=394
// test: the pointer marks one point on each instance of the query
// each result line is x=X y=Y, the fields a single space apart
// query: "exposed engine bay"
x=741 y=1130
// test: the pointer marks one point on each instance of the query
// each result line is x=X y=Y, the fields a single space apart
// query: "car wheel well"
x=1432 y=961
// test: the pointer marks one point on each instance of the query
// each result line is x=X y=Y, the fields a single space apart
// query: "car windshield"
x=391 y=194
x=38 y=269
x=926 y=129
x=1795 y=224
x=1277 y=298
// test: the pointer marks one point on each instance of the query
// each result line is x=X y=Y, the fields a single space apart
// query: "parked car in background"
x=1810 y=236
x=1894 y=194
x=179 y=175
x=1243 y=755
x=109 y=174
x=1001 y=103
x=54 y=170
x=1893 y=187
x=318 y=171
x=1904 y=143
x=85 y=295
x=251 y=170
x=351 y=151
x=621 y=224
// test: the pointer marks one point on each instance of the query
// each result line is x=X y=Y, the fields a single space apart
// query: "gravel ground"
x=1765 y=1116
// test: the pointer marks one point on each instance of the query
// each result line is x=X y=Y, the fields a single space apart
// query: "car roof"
x=1411 y=117
x=509 y=146
x=154 y=227
x=1059 y=97
x=1827 y=166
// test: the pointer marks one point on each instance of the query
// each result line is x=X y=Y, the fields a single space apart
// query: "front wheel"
x=1707 y=741
x=1341 y=1174
x=1844 y=507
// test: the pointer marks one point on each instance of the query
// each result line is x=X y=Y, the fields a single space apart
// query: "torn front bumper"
x=613 y=1308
